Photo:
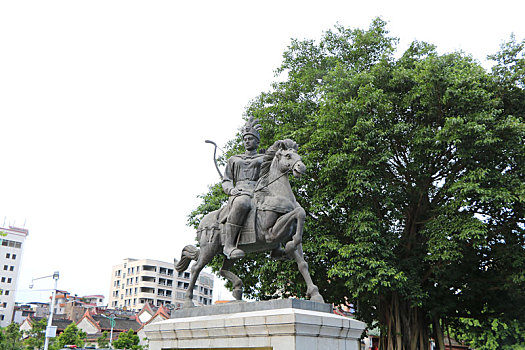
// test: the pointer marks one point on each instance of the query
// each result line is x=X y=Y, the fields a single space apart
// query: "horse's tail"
x=188 y=254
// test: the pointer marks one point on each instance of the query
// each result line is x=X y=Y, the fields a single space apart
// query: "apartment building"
x=11 y=247
x=137 y=282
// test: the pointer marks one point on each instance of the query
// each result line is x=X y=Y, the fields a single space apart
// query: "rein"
x=277 y=178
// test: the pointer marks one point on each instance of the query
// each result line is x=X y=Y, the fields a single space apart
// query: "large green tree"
x=72 y=335
x=35 y=337
x=415 y=187
x=128 y=340
x=11 y=337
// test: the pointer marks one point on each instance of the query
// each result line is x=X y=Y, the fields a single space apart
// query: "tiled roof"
x=121 y=323
x=61 y=324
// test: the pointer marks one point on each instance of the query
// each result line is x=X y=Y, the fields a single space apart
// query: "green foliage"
x=35 y=337
x=127 y=340
x=415 y=187
x=103 y=340
x=11 y=338
x=491 y=333
x=72 y=335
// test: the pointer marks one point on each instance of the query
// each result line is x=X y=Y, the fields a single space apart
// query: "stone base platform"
x=288 y=324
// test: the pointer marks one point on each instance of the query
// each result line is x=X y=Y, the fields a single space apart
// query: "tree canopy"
x=127 y=340
x=35 y=337
x=11 y=337
x=72 y=335
x=415 y=186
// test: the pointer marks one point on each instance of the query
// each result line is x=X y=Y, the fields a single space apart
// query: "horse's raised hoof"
x=188 y=304
x=289 y=249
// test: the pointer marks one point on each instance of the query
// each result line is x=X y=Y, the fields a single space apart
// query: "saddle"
x=246 y=236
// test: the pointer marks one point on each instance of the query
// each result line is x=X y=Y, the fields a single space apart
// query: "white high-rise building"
x=137 y=282
x=11 y=248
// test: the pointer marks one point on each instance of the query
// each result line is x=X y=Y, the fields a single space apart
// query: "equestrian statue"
x=262 y=214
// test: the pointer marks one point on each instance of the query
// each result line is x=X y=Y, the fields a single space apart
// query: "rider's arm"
x=227 y=179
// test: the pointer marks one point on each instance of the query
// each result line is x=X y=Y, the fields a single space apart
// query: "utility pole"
x=50 y=330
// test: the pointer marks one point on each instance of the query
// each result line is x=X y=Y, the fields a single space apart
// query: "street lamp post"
x=49 y=328
x=112 y=323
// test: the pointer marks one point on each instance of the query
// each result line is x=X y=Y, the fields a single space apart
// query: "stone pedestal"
x=287 y=324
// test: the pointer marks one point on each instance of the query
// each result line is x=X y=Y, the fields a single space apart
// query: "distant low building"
x=40 y=309
x=95 y=324
x=11 y=247
x=21 y=312
x=60 y=323
x=160 y=315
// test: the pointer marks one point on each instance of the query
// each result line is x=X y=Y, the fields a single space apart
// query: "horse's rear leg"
x=312 y=291
x=205 y=257
x=233 y=278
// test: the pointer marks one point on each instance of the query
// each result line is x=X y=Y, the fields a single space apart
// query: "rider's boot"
x=230 y=249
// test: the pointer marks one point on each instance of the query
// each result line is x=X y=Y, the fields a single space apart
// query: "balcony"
x=149 y=268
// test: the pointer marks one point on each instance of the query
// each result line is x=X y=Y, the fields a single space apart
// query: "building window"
x=5 y=267
x=13 y=256
x=7 y=256
x=9 y=280
x=3 y=279
x=1 y=317
x=11 y=268
x=6 y=292
x=12 y=244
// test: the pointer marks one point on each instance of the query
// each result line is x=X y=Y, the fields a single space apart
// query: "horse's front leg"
x=282 y=228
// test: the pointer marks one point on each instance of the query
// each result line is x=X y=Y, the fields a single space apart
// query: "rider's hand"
x=235 y=192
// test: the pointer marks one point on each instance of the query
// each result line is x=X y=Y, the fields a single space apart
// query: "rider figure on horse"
x=241 y=175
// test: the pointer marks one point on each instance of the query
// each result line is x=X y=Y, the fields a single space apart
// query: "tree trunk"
x=404 y=326
x=438 y=332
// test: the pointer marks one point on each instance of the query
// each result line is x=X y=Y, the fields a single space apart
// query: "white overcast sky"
x=105 y=106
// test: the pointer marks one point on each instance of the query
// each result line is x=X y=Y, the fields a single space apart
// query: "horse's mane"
x=269 y=155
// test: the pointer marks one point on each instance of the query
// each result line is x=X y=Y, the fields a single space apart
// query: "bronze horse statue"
x=279 y=220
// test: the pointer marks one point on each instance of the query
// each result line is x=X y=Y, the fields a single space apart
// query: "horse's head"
x=287 y=158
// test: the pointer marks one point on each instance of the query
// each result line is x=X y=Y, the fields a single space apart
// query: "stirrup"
x=235 y=253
